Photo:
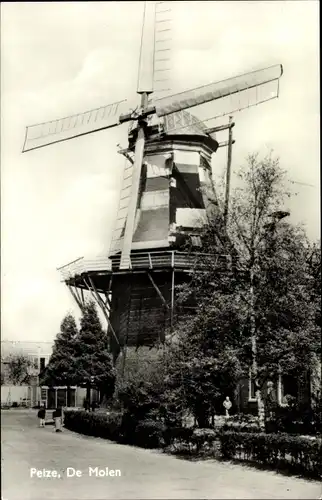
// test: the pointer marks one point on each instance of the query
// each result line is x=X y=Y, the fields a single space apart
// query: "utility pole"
x=228 y=171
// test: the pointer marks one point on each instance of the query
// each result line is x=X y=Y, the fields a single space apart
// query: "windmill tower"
x=166 y=197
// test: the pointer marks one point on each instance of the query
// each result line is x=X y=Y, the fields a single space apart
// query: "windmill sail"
x=146 y=61
x=216 y=90
x=63 y=129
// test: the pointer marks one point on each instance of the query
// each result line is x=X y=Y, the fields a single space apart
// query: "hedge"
x=189 y=440
x=147 y=433
x=94 y=424
x=241 y=427
x=280 y=451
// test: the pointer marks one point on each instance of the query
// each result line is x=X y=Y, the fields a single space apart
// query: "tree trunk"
x=260 y=403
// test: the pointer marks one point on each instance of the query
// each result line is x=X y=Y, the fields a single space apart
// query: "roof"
x=183 y=123
x=179 y=123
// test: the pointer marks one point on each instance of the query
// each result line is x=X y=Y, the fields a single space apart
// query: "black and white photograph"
x=160 y=250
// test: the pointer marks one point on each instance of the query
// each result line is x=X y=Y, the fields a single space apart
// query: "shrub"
x=241 y=427
x=93 y=424
x=294 y=420
x=175 y=435
x=300 y=455
x=244 y=418
x=189 y=440
x=114 y=426
x=149 y=434
x=203 y=438
x=14 y=404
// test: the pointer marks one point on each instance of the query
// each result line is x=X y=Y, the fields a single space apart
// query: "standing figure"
x=42 y=416
x=57 y=419
x=271 y=400
x=227 y=404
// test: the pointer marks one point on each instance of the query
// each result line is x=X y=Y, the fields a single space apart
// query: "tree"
x=2 y=378
x=140 y=386
x=260 y=306
x=202 y=365
x=62 y=363
x=19 y=368
x=93 y=361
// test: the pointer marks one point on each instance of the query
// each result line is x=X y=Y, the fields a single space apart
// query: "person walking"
x=57 y=419
x=42 y=416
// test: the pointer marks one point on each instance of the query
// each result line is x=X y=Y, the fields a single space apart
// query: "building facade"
x=25 y=394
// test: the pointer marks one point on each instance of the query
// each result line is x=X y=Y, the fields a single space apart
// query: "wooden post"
x=101 y=304
x=229 y=154
x=75 y=297
x=157 y=289
x=172 y=300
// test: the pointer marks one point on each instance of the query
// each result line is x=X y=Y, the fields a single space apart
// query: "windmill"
x=166 y=196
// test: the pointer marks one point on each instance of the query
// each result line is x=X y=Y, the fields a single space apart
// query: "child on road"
x=42 y=416
x=57 y=415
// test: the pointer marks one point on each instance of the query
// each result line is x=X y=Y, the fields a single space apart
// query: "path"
x=144 y=473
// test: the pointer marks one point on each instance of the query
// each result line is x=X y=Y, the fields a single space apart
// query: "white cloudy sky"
x=58 y=203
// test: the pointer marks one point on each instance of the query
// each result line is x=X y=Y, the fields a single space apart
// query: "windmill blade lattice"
x=180 y=121
x=216 y=90
x=69 y=127
x=162 y=61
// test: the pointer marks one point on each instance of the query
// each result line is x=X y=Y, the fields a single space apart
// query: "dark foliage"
x=93 y=424
x=184 y=440
x=94 y=365
x=19 y=368
x=280 y=451
x=147 y=434
x=241 y=427
x=296 y=419
x=61 y=367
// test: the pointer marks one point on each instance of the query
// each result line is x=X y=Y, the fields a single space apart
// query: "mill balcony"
x=144 y=261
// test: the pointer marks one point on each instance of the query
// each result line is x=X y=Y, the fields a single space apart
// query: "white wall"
x=17 y=393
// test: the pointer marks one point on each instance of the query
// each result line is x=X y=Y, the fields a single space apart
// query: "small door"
x=61 y=397
x=51 y=398
x=71 y=398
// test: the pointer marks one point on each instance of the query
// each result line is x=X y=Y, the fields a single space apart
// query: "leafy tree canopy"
x=269 y=293
x=19 y=368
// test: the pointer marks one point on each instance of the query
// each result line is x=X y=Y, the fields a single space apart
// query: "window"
x=287 y=386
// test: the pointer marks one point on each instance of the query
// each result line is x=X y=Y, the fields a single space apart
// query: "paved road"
x=145 y=474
